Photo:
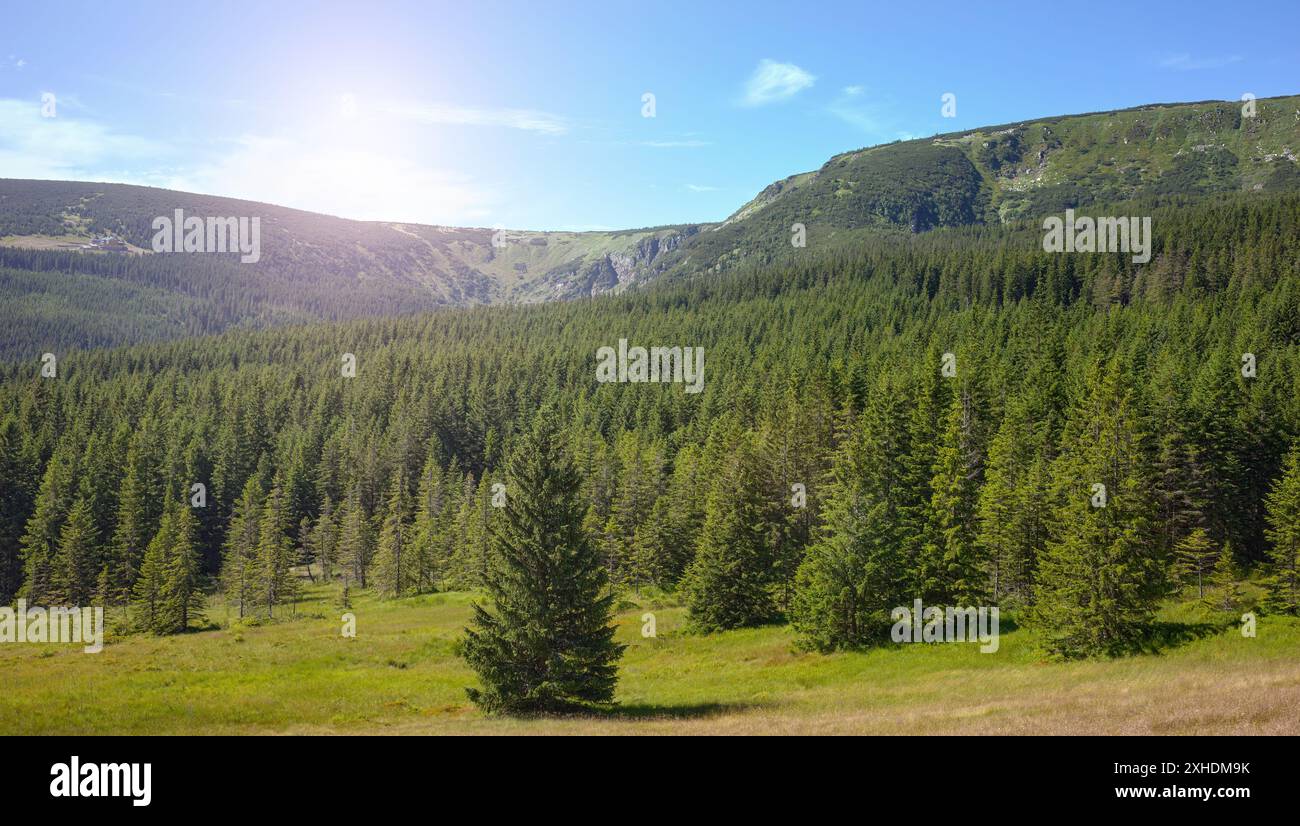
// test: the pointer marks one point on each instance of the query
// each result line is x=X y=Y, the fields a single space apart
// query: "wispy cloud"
x=370 y=184
x=866 y=114
x=32 y=146
x=772 y=82
x=1185 y=62
x=361 y=184
x=701 y=188
x=851 y=108
x=529 y=120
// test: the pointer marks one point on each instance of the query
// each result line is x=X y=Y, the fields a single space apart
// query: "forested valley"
x=923 y=417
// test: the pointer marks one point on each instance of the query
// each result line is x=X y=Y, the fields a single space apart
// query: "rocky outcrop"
x=618 y=270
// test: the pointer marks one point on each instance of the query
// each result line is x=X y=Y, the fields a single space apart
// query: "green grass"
x=401 y=675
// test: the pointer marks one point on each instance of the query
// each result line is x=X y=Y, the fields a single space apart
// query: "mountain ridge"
x=317 y=266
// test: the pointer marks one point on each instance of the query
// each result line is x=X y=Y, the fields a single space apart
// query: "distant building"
x=109 y=243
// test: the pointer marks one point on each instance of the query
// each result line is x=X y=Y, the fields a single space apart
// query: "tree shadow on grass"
x=1163 y=636
x=684 y=711
x=640 y=711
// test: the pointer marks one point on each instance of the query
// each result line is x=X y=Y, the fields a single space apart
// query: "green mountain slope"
x=1020 y=171
x=321 y=267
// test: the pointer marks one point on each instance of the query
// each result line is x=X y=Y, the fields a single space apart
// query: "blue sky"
x=530 y=115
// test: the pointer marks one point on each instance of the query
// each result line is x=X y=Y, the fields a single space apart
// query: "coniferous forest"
x=488 y=368
x=926 y=418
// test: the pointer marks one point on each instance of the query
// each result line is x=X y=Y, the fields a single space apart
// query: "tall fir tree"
x=41 y=535
x=547 y=644
x=1284 y=533
x=731 y=581
x=150 y=589
x=239 y=558
x=16 y=491
x=182 y=596
x=274 y=576
x=1194 y=559
x=76 y=561
x=356 y=538
x=1225 y=591
x=395 y=560
x=1101 y=575
x=325 y=540
x=1012 y=501
x=856 y=573
x=952 y=566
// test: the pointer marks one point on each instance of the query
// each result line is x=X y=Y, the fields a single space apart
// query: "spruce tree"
x=74 y=566
x=275 y=584
x=1283 y=582
x=1225 y=592
x=150 y=589
x=652 y=546
x=547 y=642
x=395 y=561
x=356 y=538
x=41 y=535
x=182 y=599
x=1100 y=575
x=324 y=540
x=685 y=507
x=465 y=568
x=16 y=489
x=856 y=573
x=428 y=531
x=138 y=510
x=106 y=595
x=952 y=568
x=239 y=559
x=731 y=581
x=1011 y=528
x=1194 y=558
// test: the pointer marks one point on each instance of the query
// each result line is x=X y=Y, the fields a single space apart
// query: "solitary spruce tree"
x=547 y=644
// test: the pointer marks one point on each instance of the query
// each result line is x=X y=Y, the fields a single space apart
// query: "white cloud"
x=1185 y=62
x=364 y=184
x=772 y=82
x=528 y=120
x=359 y=184
x=62 y=147
x=701 y=188
x=853 y=91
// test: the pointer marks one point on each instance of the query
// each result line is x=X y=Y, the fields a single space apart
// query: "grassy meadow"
x=401 y=675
